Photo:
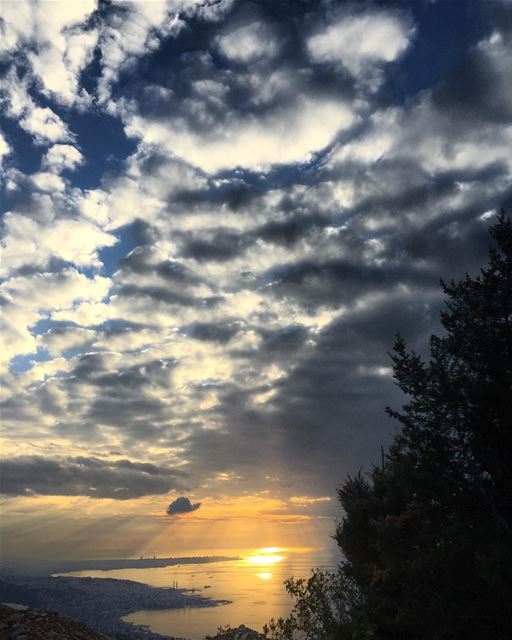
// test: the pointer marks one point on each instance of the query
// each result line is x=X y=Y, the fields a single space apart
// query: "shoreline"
x=52 y=567
x=136 y=563
x=102 y=603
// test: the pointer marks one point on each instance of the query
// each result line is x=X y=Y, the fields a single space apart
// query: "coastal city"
x=100 y=603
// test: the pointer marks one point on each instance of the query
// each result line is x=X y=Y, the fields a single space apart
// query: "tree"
x=427 y=536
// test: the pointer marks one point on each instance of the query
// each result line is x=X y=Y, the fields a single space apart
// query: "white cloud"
x=18 y=25
x=87 y=313
x=62 y=156
x=48 y=182
x=58 y=341
x=248 y=43
x=66 y=287
x=450 y=144
x=141 y=28
x=44 y=125
x=28 y=298
x=127 y=200
x=5 y=149
x=361 y=40
x=411 y=148
x=41 y=122
x=58 y=68
x=376 y=143
x=93 y=205
x=17 y=339
x=28 y=241
x=134 y=32
x=61 y=46
x=288 y=135
x=136 y=191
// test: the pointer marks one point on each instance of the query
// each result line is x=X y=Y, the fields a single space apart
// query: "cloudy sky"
x=216 y=215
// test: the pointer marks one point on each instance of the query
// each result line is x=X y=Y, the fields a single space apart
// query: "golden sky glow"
x=236 y=525
x=265 y=558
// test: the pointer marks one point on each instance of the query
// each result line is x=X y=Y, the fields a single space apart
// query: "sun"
x=266 y=557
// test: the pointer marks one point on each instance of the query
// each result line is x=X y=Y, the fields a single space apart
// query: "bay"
x=254 y=584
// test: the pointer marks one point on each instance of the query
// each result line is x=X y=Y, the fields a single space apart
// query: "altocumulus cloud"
x=182 y=505
x=81 y=476
x=222 y=213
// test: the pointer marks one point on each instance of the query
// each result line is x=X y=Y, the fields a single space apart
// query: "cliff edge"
x=37 y=624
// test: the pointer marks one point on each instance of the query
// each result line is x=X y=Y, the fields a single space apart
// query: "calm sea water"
x=254 y=584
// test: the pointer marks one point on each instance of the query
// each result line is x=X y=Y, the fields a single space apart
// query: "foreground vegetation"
x=426 y=536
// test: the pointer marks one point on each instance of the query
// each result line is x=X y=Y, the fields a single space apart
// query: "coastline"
x=134 y=563
x=101 y=603
x=52 y=567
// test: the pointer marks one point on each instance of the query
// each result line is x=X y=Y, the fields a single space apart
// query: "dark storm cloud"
x=152 y=372
x=232 y=192
x=212 y=332
x=166 y=296
x=281 y=346
x=289 y=231
x=82 y=476
x=141 y=262
x=16 y=408
x=128 y=398
x=174 y=271
x=220 y=245
x=287 y=339
x=335 y=282
x=247 y=440
x=402 y=185
x=88 y=366
x=327 y=415
x=452 y=245
x=224 y=244
x=138 y=417
x=329 y=410
x=182 y=505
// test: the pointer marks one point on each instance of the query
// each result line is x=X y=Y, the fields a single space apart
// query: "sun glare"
x=266 y=557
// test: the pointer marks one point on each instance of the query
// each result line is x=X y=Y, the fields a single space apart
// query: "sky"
x=216 y=215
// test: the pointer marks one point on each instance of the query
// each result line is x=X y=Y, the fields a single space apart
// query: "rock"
x=238 y=633
x=34 y=624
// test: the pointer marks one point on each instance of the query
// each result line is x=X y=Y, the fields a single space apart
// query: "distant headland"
x=133 y=563
x=47 y=567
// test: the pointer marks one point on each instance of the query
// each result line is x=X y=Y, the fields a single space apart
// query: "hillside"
x=37 y=624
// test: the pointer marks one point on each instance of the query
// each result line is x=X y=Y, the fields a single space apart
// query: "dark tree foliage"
x=427 y=535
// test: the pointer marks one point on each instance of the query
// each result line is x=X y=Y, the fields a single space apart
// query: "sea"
x=253 y=583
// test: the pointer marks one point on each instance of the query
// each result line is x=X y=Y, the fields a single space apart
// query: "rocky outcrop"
x=237 y=633
x=36 y=624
